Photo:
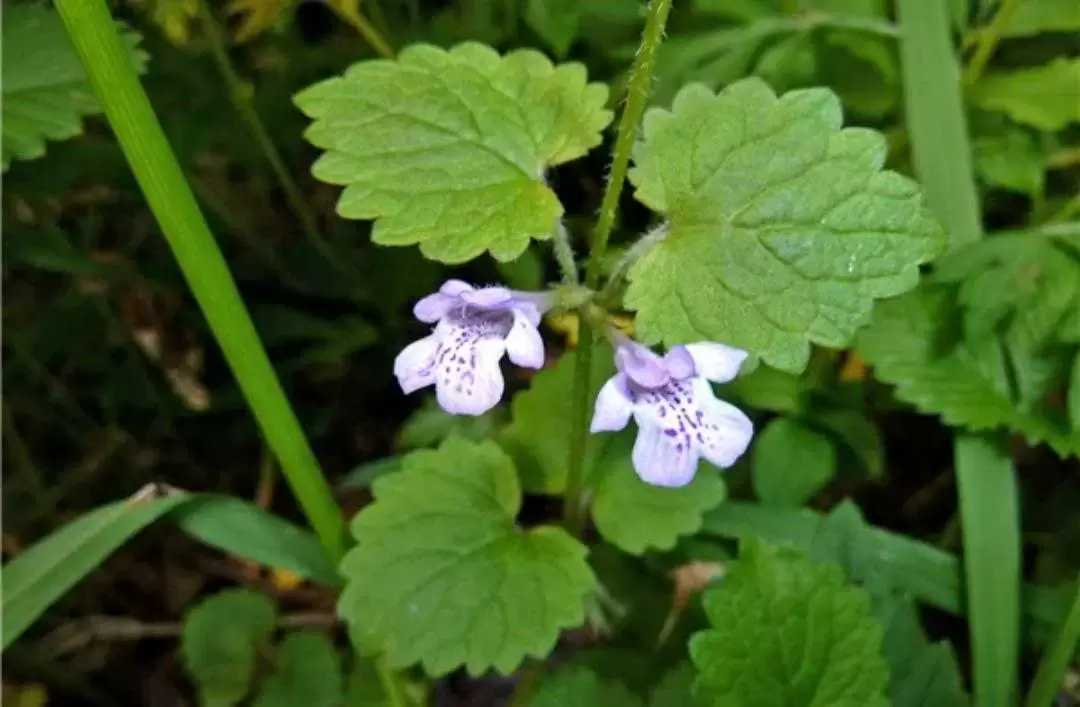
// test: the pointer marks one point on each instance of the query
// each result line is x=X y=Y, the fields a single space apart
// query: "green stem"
x=637 y=96
x=395 y=694
x=93 y=33
x=564 y=255
x=987 y=41
x=366 y=30
x=240 y=93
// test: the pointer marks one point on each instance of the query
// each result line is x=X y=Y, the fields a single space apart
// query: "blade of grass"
x=132 y=118
x=1055 y=662
x=990 y=521
x=933 y=103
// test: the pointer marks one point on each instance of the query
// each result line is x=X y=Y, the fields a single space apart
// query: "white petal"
x=523 y=344
x=467 y=376
x=415 y=365
x=726 y=430
x=716 y=362
x=661 y=460
x=613 y=407
x=731 y=438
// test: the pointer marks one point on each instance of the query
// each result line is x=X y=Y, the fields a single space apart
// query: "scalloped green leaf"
x=786 y=631
x=967 y=383
x=307 y=672
x=781 y=227
x=219 y=642
x=1046 y=97
x=442 y=576
x=791 y=462
x=447 y=149
x=636 y=516
x=43 y=87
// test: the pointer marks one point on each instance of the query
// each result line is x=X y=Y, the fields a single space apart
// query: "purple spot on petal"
x=670 y=432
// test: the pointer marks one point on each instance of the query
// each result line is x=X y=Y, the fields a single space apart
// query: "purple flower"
x=679 y=419
x=475 y=327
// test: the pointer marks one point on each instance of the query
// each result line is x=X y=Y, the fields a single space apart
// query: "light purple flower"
x=679 y=419
x=474 y=328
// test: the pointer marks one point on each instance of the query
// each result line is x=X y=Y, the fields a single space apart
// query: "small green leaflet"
x=308 y=672
x=786 y=631
x=442 y=576
x=1045 y=97
x=43 y=86
x=219 y=642
x=556 y=21
x=1032 y=17
x=636 y=516
x=782 y=229
x=791 y=462
x=447 y=149
x=1012 y=160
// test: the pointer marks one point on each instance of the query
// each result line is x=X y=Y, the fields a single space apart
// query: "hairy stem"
x=637 y=95
x=987 y=41
x=564 y=255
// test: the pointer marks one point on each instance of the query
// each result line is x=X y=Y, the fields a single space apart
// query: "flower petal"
x=643 y=366
x=455 y=287
x=729 y=439
x=415 y=365
x=487 y=297
x=613 y=406
x=434 y=307
x=716 y=362
x=679 y=363
x=467 y=376
x=661 y=460
x=524 y=345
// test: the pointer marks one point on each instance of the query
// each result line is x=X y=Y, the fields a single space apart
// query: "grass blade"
x=162 y=181
x=1055 y=662
x=244 y=530
x=933 y=102
x=46 y=571
x=990 y=520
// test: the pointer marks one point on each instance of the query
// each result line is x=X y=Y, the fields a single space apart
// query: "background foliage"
x=113 y=379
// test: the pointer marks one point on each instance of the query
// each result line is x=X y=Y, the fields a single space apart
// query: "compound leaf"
x=447 y=149
x=442 y=576
x=782 y=228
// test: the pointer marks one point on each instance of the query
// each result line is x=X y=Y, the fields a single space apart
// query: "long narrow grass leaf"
x=1055 y=662
x=990 y=520
x=933 y=102
x=159 y=175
